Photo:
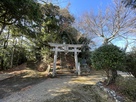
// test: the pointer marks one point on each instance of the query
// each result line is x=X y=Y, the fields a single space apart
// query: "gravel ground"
x=40 y=92
x=5 y=76
x=56 y=88
x=80 y=93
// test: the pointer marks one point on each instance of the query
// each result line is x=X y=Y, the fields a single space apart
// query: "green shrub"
x=127 y=86
x=131 y=62
x=19 y=56
x=108 y=58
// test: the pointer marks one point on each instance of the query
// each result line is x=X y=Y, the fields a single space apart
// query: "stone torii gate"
x=65 y=48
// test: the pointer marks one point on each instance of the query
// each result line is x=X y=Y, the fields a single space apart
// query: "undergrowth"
x=127 y=86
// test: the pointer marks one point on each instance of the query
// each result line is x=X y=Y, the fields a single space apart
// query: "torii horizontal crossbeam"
x=62 y=45
x=59 y=50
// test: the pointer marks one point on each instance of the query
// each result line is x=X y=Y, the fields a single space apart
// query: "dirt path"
x=60 y=89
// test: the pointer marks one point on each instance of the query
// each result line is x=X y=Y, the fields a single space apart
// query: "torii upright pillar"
x=55 y=60
x=76 y=59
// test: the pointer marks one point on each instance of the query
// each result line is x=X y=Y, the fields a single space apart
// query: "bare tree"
x=130 y=3
x=116 y=22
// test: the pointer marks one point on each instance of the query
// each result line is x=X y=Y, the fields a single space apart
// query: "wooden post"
x=76 y=60
x=55 y=60
x=79 y=71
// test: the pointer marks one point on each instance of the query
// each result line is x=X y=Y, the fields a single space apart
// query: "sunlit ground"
x=69 y=84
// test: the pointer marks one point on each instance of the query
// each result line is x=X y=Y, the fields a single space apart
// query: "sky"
x=78 y=7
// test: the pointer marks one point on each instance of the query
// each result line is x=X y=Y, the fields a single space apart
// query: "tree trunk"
x=113 y=77
x=5 y=44
x=126 y=46
x=133 y=73
x=2 y=64
x=48 y=69
x=114 y=74
x=2 y=28
x=107 y=73
x=12 y=55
